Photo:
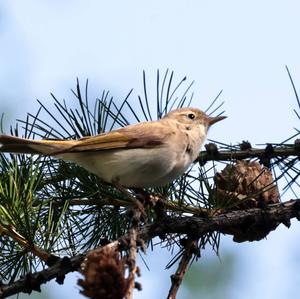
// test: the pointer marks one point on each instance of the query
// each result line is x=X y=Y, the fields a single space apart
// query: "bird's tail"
x=13 y=144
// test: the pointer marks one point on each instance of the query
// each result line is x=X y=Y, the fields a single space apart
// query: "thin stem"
x=186 y=258
x=11 y=232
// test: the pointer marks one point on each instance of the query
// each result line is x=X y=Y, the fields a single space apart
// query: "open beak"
x=213 y=120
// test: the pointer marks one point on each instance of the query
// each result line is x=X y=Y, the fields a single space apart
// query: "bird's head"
x=193 y=117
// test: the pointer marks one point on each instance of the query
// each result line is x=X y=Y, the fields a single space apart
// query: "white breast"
x=132 y=167
x=143 y=167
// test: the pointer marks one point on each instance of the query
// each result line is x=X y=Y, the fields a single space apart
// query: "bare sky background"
x=240 y=47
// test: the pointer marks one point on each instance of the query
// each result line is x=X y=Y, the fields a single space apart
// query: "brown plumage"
x=141 y=137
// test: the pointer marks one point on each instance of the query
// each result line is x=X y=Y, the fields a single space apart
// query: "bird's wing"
x=142 y=135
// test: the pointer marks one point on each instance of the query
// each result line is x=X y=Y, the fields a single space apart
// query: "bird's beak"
x=213 y=120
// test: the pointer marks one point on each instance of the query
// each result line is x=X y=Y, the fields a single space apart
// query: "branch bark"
x=229 y=155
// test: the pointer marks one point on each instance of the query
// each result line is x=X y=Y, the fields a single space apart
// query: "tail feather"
x=13 y=144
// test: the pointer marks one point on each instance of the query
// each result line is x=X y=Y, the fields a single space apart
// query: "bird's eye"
x=191 y=115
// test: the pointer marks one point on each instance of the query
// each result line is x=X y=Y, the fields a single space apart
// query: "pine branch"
x=191 y=226
x=32 y=282
x=233 y=154
x=225 y=222
x=105 y=215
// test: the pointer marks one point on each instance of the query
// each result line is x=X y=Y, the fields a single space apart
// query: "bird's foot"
x=134 y=199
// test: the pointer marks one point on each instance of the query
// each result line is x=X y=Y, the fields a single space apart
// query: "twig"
x=167 y=205
x=177 y=278
x=23 y=242
x=100 y=202
x=229 y=155
x=131 y=260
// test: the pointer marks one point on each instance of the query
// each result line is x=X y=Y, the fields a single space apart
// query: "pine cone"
x=246 y=184
x=246 y=179
x=103 y=272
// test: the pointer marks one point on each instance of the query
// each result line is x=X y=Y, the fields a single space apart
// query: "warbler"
x=146 y=154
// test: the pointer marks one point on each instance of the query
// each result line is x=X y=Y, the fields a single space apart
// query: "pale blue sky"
x=241 y=47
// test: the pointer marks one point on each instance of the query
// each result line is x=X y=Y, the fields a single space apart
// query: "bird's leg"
x=151 y=200
x=132 y=198
x=147 y=198
x=141 y=194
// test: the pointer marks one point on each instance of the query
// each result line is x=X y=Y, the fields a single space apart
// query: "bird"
x=142 y=155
